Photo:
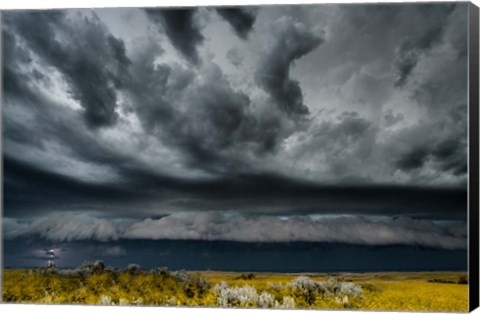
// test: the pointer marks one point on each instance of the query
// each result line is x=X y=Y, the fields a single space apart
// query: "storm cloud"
x=181 y=29
x=419 y=43
x=292 y=41
x=221 y=226
x=241 y=19
x=339 y=124
x=93 y=61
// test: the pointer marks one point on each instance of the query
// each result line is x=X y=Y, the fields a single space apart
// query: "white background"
x=57 y=309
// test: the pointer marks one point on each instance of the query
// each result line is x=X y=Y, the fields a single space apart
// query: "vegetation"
x=93 y=283
x=461 y=280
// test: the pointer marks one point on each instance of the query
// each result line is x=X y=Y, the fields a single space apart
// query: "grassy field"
x=95 y=284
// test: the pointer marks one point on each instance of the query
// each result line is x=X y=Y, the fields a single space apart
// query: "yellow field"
x=382 y=291
x=425 y=291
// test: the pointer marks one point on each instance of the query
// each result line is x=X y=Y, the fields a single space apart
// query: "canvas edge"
x=473 y=146
x=1 y=160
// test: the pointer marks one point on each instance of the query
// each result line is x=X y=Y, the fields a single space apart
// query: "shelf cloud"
x=228 y=226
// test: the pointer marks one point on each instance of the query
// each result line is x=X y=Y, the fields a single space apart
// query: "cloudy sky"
x=340 y=124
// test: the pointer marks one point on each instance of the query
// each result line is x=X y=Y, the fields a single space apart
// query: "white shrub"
x=170 y=301
x=310 y=289
x=275 y=286
x=343 y=300
x=134 y=269
x=306 y=285
x=123 y=301
x=181 y=275
x=288 y=303
x=220 y=287
x=266 y=300
x=236 y=296
x=105 y=300
x=341 y=288
x=350 y=289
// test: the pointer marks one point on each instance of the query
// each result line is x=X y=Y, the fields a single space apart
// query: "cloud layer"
x=292 y=41
x=241 y=19
x=94 y=65
x=231 y=226
x=300 y=104
x=180 y=27
x=260 y=112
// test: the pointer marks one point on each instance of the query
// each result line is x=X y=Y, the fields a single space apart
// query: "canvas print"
x=293 y=157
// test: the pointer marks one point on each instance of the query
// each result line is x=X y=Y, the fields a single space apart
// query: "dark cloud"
x=30 y=191
x=235 y=58
x=352 y=124
x=158 y=107
x=432 y=21
x=92 y=60
x=351 y=230
x=149 y=99
x=392 y=118
x=292 y=41
x=70 y=132
x=451 y=154
x=414 y=159
x=446 y=154
x=241 y=19
x=233 y=125
x=196 y=113
x=224 y=123
x=13 y=55
x=217 y=226
x=200 y=115
x=188 y=146
x=440 y=142
x=65 y=228
x=181 y=29
x=345 y=149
